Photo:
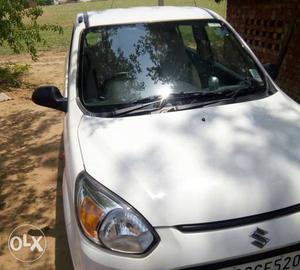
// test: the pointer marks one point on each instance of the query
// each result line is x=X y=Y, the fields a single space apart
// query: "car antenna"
x=195 y=3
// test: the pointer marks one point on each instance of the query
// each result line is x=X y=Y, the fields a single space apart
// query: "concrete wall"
x=266 y=26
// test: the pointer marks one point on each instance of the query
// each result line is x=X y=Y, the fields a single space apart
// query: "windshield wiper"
x=168 y=108
x=214 y=95
x=157 y=100
x=141 y=104
x=202 y=104
x=247 y=86
x=158 y=103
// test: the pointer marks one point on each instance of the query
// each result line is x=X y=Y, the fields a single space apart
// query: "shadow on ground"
x=62 y=252
x=31 y=181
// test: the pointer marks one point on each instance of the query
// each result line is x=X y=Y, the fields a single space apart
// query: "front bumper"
x=178 y=250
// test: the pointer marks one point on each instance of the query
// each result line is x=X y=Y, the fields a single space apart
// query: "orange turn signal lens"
x=90 y=215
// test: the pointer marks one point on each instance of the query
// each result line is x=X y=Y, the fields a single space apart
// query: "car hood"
x=202 y=165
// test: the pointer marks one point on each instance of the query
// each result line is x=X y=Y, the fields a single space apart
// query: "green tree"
x=19 y=28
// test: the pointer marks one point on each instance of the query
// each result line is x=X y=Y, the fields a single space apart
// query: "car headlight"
x=108 y=221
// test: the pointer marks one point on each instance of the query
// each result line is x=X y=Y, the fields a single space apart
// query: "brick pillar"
x=264 y=26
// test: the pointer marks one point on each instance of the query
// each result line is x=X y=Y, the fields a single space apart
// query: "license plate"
x=289 y=261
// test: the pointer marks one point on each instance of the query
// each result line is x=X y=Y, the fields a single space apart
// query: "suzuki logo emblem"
x=260 y=239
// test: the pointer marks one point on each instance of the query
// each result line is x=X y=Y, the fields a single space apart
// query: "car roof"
x=143 y=15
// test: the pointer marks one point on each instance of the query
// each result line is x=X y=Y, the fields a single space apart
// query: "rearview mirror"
x=272 y=70
x=50 y=96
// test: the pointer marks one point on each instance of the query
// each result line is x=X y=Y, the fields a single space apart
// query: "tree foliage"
x=19 y=27
x=11 y=75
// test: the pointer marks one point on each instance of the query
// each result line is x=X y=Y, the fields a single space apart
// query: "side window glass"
x=216 y=36
x=227 y=51
x=93 y=38
x=187 y=36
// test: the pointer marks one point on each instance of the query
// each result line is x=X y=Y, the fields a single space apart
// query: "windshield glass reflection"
x=123 y=64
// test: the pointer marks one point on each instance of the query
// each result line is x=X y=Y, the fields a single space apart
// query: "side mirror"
x=50 y=96
x=272 y=70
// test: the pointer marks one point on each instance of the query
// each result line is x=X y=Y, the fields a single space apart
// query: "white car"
x=181 y=151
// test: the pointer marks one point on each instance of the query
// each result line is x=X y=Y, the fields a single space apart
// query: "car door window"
x=186 y=32
x=227 y=51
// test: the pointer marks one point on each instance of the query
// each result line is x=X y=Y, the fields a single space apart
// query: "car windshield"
x=127 y=65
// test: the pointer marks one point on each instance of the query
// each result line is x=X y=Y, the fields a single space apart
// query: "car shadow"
x=62 y=251
x=58 y=231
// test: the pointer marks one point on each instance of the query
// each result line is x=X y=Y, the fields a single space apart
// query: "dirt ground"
x=31 y=165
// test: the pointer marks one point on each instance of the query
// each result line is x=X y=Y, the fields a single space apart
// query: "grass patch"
x=11 y=75
x=65 y=15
